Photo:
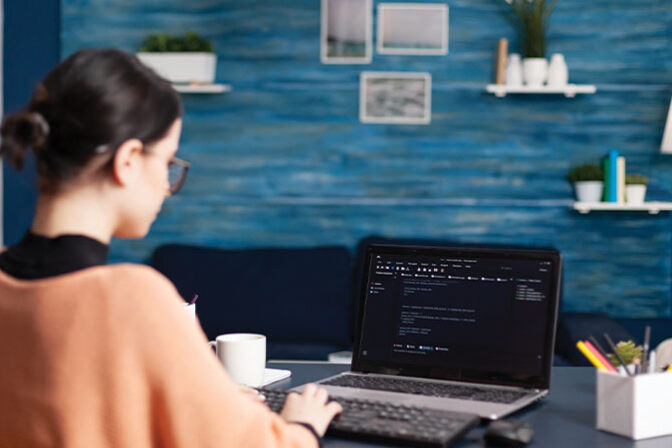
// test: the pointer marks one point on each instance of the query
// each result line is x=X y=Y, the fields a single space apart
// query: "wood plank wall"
x=282 y=160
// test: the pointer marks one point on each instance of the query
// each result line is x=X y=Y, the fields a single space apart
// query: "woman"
x=103 y=355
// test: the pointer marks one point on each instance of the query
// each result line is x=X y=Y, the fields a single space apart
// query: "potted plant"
x=187 y=59
x=533 y=16
x=588 y=180
x=629 y=352
x=635 y=188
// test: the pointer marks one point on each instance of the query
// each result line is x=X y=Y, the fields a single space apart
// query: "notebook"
x=468 y=330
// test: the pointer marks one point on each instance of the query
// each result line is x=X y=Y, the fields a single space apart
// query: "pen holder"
x=638 y=407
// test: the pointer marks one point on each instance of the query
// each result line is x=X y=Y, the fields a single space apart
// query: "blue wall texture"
x=282 y=160
x=30 y=50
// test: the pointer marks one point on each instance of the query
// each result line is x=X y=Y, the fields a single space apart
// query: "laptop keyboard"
x=377 y=421
x=430 y=389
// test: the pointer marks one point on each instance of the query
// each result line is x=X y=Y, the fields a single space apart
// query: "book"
x=612 y=159
x=620 y=179
x=501 y=53
x=274 y=375
x=607 y=177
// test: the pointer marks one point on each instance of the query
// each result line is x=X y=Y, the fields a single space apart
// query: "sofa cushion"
x=293 y=296
x=573 y=327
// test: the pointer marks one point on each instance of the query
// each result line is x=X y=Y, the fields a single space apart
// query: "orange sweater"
x=108 y=357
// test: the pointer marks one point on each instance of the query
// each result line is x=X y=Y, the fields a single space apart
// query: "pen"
x=645 y=351
x=193 y=299
x=652 y=362
x=618 y=356
x=605 y=361
x=588 y=354
x=601 y=350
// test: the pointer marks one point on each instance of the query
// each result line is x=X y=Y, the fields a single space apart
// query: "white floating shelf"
x=570 y=90
x=652 y=207
x=202 y=88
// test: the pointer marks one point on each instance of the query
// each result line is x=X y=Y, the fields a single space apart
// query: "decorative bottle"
x=557 y=71
x=514 y=71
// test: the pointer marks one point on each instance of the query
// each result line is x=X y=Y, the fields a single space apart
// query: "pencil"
x=588 y=354
x=604 y=360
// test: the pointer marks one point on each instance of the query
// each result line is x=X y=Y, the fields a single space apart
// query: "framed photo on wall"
x=666 y=145
x=412 y=28
x=346 y=32
x=395 y=97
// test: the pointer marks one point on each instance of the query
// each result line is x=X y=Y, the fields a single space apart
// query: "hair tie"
x=42 y=123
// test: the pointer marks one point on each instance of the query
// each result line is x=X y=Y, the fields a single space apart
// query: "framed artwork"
x=666 y=145
x=346 y=32
x=395 y=98
x=412 y=28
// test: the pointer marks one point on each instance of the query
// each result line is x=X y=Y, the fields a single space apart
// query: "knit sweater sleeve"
x=193 y=401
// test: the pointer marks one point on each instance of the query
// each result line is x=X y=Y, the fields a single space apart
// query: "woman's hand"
x=311 y=407
x=251 y=393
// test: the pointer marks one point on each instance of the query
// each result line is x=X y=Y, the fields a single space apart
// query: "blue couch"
x=305 y=299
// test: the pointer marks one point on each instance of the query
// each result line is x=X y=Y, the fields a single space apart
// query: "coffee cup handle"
x=212 y=344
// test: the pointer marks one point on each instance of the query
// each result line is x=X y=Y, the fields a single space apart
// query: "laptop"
x=458 y=329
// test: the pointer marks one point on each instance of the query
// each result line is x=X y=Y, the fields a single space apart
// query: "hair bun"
x=22 y=131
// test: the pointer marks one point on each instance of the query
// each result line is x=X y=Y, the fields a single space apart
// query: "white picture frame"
x=666 y=144
x=346 y=32
x=412 y=28
x=395 y=97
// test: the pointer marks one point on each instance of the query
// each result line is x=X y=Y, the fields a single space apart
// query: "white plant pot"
x=558 y=74
x=589 y=191
x=634 y=194
x=198 y=68
x=535 y=71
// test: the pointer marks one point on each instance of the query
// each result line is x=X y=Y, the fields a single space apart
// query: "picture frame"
x=395 y=97
x=346 y=31
x=666 y=144
x=412 y=28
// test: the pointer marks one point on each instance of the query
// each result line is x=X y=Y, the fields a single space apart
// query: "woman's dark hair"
x=86 y=106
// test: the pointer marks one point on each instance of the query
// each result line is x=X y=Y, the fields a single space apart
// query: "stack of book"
x=614 y=177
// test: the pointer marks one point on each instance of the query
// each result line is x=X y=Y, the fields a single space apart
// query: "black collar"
x=37 y=256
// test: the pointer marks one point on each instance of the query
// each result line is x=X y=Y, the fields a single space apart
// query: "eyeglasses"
x=177 y=174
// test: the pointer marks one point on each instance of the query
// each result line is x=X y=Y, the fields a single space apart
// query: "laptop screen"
x=481 y=315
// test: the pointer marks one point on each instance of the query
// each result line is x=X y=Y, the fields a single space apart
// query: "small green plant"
x=191 y=42
x=533 y=16
x=636 y=179
x=628 y=351
x=586 y=172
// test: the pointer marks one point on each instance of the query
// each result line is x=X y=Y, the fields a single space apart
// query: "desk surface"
x=564 y=419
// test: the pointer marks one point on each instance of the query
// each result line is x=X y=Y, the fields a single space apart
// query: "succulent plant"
x=190 y=42
x=628 y=350
x=586 y=172
x=636 y=179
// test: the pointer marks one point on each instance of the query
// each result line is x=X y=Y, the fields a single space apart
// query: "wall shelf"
x=652 y=207
x=570 y=90
x=202 y=88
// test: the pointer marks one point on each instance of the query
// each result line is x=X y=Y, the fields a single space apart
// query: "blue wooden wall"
x=282 y=160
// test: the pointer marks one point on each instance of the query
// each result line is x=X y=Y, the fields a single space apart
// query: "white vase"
x=514 y=70
x=589 y=191
x=535 y=71
x=635 y=194
x=182 y=67
x=558 y=74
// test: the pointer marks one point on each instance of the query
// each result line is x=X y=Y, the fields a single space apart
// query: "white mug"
x=243 y=356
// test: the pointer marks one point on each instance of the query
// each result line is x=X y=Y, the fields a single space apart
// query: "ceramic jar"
x=558 y=74
x=514 y=70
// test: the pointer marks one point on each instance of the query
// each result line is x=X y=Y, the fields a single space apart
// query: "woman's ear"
x=127 y=162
